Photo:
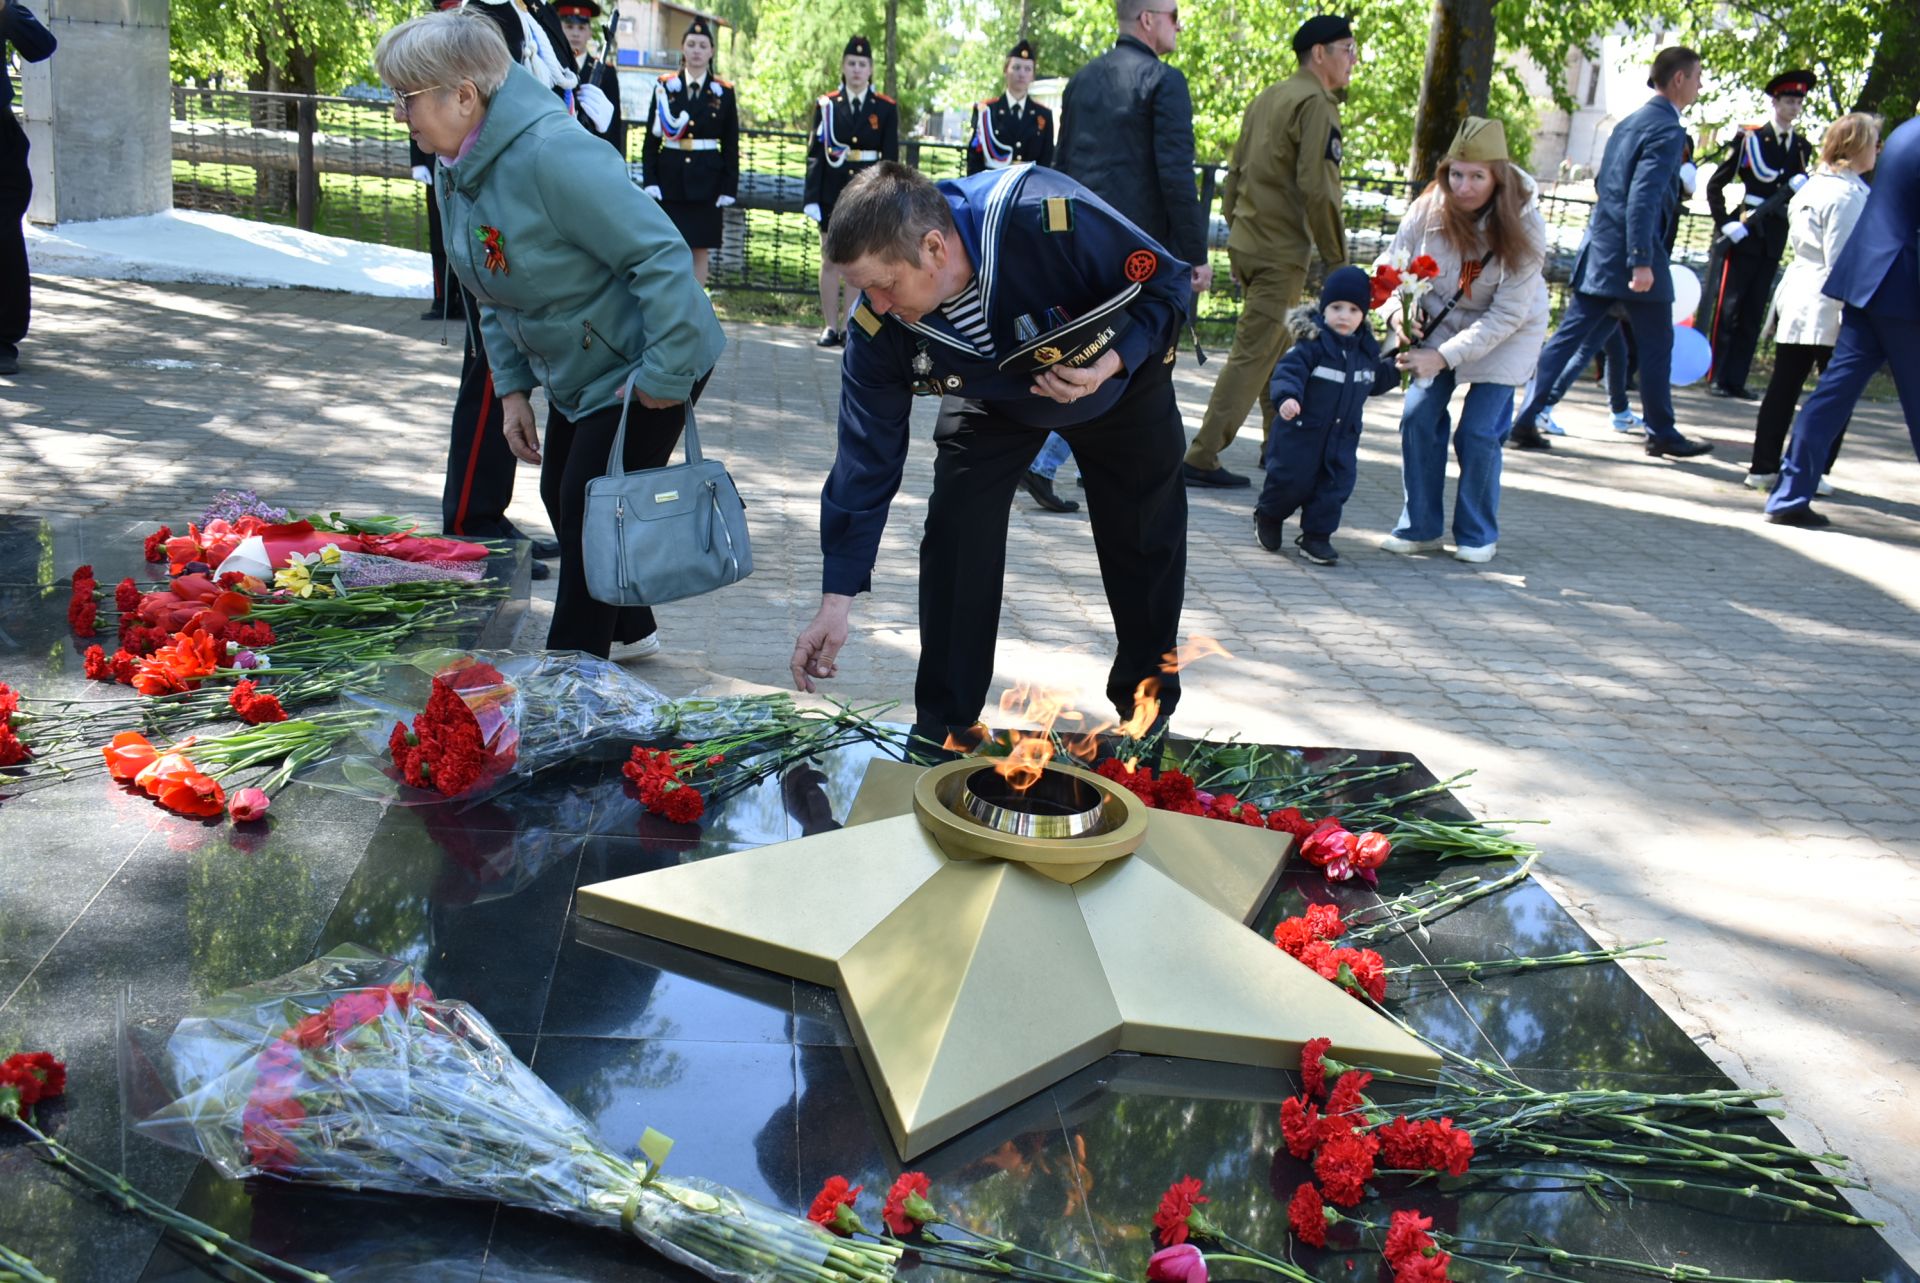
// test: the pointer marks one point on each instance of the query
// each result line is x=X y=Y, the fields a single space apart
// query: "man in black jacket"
x=1126 y=131
x=19 y=28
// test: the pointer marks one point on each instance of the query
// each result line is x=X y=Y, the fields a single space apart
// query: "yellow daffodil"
x=296 y=579
x=330 y=555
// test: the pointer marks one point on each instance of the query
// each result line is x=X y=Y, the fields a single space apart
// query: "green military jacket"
x=1282 y=194
x=580 y=277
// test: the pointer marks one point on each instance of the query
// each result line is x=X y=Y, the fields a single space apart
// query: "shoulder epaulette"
x=1056 y=214
x=724 y=84
x=669 y=75
x=864 y=318
x=883 y=98
x=837 y=94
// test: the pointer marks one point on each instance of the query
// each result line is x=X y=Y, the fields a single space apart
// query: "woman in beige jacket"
x=1481 y=327
x=1820 y=219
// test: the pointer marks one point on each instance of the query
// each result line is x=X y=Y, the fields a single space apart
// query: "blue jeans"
x=1588 y=315
x=1867 y=341
x=1054 y=453
x=1425 y=424
x=1612 y=340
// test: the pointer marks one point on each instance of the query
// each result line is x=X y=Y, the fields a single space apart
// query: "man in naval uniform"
x=854 y=129
x=1028 y=305
x=1766 y=159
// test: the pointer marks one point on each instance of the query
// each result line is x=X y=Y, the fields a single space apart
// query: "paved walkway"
x=1722 y=718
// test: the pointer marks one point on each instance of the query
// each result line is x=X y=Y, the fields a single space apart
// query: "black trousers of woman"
x=574 y=453
x=1792 y=363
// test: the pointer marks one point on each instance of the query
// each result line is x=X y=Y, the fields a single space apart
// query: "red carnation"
x=34 y=1076
x=1407 y=1236
x=1324 y=919
x=683 y=805
x=83 y=575
x=1300 y=1124
x=1424 y=1269
x=1307 y=1214
x=253 y=706
x=1289 y=820
x=155 y=548
x=126 y=596
x=1424 y=268
x=833 y=1207
x=1312 y=1073
x=1345 y=1165
x=13 y=749
x=1179 y=1212
x=1426 y=1145
x=1175 y=791
x=1347 y=1097
x=82 y=611
x=97 y=667
x=124 y=667
x=907 y=1208
x=264 y=1126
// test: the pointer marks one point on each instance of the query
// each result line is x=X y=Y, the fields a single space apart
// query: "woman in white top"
x=1820 y=219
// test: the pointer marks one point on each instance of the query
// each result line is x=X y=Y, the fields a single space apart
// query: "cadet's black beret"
x=1321 y=29
x=699 y=27
x=857 y=47
x=1790 y=82
x=1022 y=50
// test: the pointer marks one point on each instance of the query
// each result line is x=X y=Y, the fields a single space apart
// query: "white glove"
x=652 y=191
x=592 y=101
x=1735 y=231
x=1689 y=175
x=1797 y=181
x=722 y=201
x=421 y=174
x=811 y=210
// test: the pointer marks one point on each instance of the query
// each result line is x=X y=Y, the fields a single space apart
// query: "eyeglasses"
x=401 y=104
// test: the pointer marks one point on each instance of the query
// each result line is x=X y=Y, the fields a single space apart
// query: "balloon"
x=1686 y=292
x=1692 y=355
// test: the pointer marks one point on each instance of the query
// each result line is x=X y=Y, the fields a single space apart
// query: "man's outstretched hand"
x=817 y=649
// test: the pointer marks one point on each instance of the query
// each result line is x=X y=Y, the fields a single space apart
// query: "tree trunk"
x=1458 y=76
x=1893 y=81
x=893 y=47
x=1026 y=17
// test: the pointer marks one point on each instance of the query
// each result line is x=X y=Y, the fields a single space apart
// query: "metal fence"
x=341 y=166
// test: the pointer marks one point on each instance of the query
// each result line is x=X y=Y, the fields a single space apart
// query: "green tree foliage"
x=287 y=45
x=1066 y=34
x=1748 y=42
x=795 y=57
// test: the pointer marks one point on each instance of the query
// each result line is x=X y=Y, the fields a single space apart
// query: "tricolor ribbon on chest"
x=1754 y=158
x=835 y=152
x=667 y=123
x=984 y=141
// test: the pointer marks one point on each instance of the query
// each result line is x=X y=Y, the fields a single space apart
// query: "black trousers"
x=480 y=467
x=1792 y=363
x=1130 y=460
x=436 y=248
x=16 y=188
x=574 y=453
x=1748 y=285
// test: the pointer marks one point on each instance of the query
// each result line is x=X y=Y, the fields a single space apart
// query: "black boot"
x=1041 y=488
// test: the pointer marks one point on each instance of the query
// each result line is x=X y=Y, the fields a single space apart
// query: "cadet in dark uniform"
x=446 y=291
x=690 y=161
x=1765 y=159
x=19 y=28
x=1010 y=129
x=576 y=20
x=854 y=128
x=1030 y=306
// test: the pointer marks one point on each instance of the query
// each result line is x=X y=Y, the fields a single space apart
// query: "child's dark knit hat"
x=1347 y=285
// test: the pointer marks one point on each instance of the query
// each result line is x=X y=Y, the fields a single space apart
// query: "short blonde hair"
x=1850 y=140
x=439 y=50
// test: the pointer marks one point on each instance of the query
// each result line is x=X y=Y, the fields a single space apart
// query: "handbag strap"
x=617 y=456
x=1453 y=302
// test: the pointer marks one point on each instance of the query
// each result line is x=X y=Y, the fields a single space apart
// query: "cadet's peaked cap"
x=1022 y=50
x=1321 y=29
x=699 y=27
x=444 y=4
x=576 y=10
x=857 y=47
x=1479 y=140
x=1791 y=82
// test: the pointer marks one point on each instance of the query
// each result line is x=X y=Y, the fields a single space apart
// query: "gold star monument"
x=987 y=941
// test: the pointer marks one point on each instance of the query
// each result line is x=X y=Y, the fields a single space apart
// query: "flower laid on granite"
x=82 y=609
x=349 y=1072
x=832 y=1207
x=1179 y=1212
x=655 y=778
x=253 y=706
x=1181 y=1263
x=155 y=548
x=231 y=505
x=248 y=804
x=13 y=749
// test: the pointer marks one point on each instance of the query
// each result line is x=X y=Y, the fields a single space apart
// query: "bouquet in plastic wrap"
x=349 y=1072
x=463 y=724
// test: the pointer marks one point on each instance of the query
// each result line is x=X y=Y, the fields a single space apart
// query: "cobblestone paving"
x=1720 y=717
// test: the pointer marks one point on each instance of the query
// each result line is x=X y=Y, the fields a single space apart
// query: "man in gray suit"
x=1621 y=270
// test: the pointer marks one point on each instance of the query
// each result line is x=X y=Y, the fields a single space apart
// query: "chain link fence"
x=340 y=166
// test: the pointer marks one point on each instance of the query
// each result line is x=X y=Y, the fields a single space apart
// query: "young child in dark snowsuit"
x=1320 y=388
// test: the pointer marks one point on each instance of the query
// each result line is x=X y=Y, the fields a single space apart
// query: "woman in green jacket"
x=580 y=278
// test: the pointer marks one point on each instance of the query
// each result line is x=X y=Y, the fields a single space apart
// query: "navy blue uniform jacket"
x=1879 y=267
x=1032 y=280
x=1632 y=203
x=1331 y=375
x=19 y=28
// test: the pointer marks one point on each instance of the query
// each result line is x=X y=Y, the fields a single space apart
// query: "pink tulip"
x=1181 y=1263
x=248 y=804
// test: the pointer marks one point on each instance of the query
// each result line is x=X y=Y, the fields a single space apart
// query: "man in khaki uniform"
x=1281 y=201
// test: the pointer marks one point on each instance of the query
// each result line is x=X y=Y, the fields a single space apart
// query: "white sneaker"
x=1823 y=486
x=1394 y=543
x=1475 y=555
x=1762 y=481
x=1628 y=421
x=646 y=648
x=1545 y=423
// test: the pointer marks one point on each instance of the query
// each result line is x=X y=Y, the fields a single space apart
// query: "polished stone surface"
x=109 y=902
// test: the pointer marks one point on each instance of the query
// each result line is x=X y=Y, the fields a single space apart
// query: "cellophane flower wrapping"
x=466 y=724
x=349 y=1072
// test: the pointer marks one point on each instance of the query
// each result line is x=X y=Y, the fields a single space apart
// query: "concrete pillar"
x=98 y=112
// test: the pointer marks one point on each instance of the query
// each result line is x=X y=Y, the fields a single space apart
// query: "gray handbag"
x=661 y=534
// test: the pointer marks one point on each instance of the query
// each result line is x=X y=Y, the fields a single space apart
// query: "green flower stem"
x=1438 y=908
x=1260 y=1263
x=17 y=1268
x=213 y=1242
x=1002 y=1247
x=1506 y=966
